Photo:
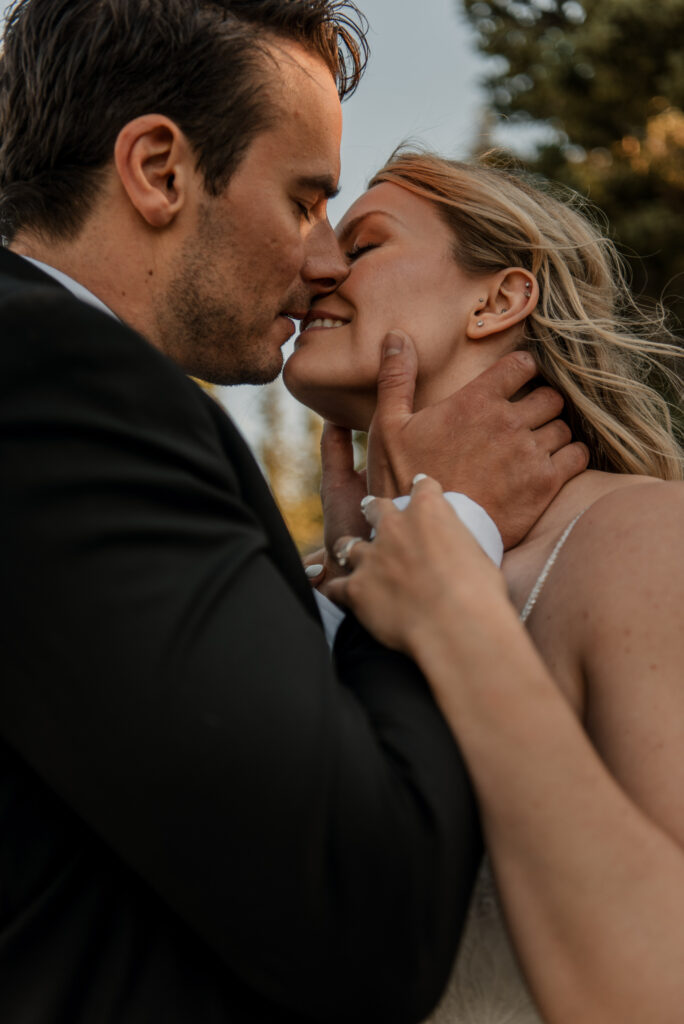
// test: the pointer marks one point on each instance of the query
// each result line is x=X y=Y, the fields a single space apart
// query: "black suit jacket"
x=202 y=819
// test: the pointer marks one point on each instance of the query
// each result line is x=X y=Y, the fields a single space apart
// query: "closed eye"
x=302 y=210
x=358 y=250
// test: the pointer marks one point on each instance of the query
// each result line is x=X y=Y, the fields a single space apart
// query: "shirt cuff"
x=331 y=616
x=472 y=515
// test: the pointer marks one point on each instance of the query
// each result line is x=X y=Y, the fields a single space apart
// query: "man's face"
x=263 y=249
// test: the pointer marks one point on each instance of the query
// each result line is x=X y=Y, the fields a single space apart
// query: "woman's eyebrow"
x=351 y=227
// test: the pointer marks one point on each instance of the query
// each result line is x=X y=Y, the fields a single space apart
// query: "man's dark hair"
x=74 y=72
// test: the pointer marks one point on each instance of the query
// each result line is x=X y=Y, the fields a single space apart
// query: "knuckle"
x=551 y=399
x=392 y=377
x=581 y=454
x=512 y=419
x=521 y=360
x=564 y=431
x=425 y=502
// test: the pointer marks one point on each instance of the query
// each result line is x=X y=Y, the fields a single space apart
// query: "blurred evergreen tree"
x=608 y=77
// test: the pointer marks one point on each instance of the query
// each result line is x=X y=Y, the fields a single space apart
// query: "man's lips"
x=289 y=316
x=295 y=314
x=291 y=326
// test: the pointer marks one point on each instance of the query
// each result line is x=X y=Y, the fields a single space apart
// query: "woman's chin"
x=346 y=408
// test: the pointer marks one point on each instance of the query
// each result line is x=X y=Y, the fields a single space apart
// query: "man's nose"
x=325 y=266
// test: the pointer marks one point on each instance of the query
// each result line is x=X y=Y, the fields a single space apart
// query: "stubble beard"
x=207 y=337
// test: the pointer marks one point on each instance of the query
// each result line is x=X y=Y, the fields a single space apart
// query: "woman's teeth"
x=325 y=323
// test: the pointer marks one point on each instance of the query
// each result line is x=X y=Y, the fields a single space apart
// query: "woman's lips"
x=323 y=323
x=321 y=319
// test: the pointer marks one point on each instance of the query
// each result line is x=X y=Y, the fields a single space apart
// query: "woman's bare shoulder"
x=643 y=512
x=627 y=529
x=617 y=584
x=628 y=576
x=626 y=565
x=627 y=546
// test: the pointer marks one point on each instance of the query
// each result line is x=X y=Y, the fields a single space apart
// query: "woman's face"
x=402 y=275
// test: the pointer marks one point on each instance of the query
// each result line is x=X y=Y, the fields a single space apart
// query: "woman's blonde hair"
x=607 y=356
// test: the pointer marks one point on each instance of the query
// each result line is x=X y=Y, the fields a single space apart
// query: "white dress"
x=486 y=984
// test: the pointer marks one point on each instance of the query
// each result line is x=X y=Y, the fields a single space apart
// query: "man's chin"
x=224 y=376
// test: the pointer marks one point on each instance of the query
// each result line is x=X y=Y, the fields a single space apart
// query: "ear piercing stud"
x=480 y=323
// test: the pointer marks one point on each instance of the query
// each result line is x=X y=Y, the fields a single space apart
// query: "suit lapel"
x=258 y=497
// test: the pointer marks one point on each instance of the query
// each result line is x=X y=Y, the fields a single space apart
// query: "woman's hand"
x=422 y=576
x=321 y=568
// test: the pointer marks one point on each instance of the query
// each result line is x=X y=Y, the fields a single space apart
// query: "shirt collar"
x=76 y=289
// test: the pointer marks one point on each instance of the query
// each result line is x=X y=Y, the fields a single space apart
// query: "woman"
x=575 y=747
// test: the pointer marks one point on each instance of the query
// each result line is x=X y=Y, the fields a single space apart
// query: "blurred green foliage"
x=607 y=76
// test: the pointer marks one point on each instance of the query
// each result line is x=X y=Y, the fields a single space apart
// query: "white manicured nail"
x=417 y=478
x=365 y=502
x=312 y=571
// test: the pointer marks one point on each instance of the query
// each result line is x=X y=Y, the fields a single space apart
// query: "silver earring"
x=505 y=310
x=480 y=323
x=480 y=300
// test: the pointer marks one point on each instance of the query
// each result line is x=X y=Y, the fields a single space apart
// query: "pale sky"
x=421 y=85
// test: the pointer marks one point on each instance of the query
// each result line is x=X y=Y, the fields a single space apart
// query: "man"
x=201 y=819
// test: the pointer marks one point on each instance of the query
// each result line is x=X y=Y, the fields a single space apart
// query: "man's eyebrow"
x=323 y=183
x=351 y=227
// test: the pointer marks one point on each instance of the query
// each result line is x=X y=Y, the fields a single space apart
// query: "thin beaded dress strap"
x=544 y=574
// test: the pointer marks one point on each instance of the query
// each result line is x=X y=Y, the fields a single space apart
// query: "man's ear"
x=509 y=297
x=155 y=165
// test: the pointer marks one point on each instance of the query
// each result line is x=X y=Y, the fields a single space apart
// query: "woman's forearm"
x=599 y=931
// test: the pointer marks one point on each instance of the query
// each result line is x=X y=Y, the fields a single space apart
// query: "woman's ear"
x=510 y=297
x=155 y=165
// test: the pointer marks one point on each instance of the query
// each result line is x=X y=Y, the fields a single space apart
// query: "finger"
x=314 y=573
x=396 y=377
x=348 y=551
x=337 y=591
x=539 y=407
x=423 y=484
x=374 y=509
x=314 y=557
x=570 y=460
x=553 y=436
x=337 y=453
x=508 y=374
